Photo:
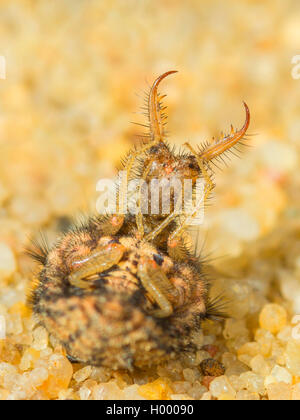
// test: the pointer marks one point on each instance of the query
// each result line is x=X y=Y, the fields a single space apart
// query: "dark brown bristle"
x=217 y=308
x=39 y=249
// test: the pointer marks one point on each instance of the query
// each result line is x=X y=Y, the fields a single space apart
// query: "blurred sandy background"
x=74 y=73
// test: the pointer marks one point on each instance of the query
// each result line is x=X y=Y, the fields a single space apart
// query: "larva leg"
x=99 y=260
x=158 y=286
x=128 y=169
x=139 y=215
x=161 y=227
x=151 y=236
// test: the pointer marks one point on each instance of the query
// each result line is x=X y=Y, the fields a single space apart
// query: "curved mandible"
x=154 y=109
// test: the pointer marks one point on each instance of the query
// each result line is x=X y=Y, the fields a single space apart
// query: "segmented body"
x=109 y=322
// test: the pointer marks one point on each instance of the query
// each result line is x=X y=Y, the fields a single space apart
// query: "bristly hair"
x=217 y=308
x=39 y=249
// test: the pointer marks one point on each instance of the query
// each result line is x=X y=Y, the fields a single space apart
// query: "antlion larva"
x=125 y=290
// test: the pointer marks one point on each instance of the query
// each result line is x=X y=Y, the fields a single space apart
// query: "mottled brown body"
x=109 y=322
x=124 y=291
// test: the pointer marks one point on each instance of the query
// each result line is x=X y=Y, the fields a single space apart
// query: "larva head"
x=165 y=162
